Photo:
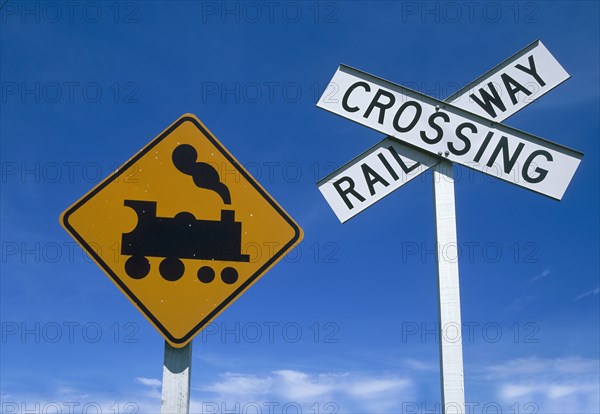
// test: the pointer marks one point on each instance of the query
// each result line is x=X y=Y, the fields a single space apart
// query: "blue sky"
x=348 y=324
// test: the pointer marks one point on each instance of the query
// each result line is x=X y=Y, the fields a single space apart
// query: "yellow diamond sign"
x=182 y=229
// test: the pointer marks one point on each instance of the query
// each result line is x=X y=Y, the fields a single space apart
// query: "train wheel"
x=137 y=267
x=171 y=269
x=229 y=275
x=206 y=274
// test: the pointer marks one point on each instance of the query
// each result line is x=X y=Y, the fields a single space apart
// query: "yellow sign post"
x=182 y=229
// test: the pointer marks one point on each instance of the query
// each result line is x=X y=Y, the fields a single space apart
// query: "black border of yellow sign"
x=185 y=118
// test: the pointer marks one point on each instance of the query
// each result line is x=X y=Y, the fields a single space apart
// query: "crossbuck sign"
x=424 y=132
x=465 y=129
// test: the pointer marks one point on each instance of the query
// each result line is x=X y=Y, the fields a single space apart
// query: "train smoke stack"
x=204 y=175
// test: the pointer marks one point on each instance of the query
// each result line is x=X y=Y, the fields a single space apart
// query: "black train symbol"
x=183 y=236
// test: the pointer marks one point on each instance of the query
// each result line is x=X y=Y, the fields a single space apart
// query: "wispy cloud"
x=246 y=386
x=565 y=385
x=151 y=382
x=535 y=365
x=67 y=398
x=348 y=391
x=296 y=385
x=545 y=273
x=234 y=392
x=519 y=304
x=595 y=291
x=418 y=365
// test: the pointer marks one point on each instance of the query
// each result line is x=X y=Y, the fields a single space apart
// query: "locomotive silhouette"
x=183 y=236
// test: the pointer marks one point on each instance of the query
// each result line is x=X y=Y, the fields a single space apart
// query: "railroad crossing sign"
x=182 y=229
x=424 y=132
x=458 y=135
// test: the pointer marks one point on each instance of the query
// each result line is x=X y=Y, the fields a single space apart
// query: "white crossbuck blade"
x=464 y=129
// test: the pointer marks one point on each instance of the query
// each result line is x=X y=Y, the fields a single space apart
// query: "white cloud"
x=546 y=366
x=69 y=399
x=235 y=392
x=296 y=385
x=370 y=388
x=566 y=385
x=151 y=382
x=415 y=364
x=349 y=391
x=519 y=304
x=589 y=293
x=561 y=385
x=240 y=385
x=69 y=392
x=543 y=274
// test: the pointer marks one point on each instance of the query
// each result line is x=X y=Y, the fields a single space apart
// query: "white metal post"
x=450 y=328
x=177 y=372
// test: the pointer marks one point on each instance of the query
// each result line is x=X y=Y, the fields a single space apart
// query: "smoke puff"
x=203 y=174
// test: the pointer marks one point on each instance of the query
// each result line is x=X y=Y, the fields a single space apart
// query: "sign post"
x=451 y=356
x=424 y=132
x=177 y=373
